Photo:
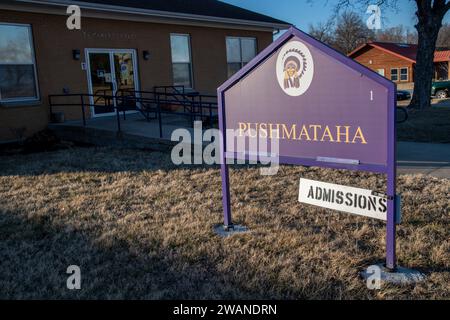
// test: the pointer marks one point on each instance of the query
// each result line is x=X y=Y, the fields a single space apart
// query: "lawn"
x=141 y=228
x=431 y=125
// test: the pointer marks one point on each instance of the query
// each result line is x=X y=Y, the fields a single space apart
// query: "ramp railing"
x=153 y=105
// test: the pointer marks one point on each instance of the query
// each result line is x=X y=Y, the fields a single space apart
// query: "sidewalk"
x=427 y=158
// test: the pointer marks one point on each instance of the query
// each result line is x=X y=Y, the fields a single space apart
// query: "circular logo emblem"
x=295 y=68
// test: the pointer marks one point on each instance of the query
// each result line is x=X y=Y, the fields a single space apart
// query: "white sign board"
x=343 y=198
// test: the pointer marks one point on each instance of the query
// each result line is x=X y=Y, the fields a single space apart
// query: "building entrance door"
x=110 y=70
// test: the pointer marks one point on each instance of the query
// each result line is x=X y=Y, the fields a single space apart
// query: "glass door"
x=125 y=78
x=110 y=71
x=102 y=85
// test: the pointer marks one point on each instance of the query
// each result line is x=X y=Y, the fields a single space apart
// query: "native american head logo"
x=295 y=68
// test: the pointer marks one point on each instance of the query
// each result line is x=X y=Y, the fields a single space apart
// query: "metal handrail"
x=203 y=107
x=82 y=104
x=175 y=89
x=169 y=98
x=176 y=92
x=196 y=107
x=101 y=96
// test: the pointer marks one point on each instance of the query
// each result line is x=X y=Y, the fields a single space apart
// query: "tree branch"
x=346 y=4
x=423 y=6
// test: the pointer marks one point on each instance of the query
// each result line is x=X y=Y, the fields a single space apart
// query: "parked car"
x=440 y=89
x=403 y=95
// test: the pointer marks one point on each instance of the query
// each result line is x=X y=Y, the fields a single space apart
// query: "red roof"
x=441 y=56
x=403 y=50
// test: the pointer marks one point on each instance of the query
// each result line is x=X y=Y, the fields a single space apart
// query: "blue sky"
x=302 y=13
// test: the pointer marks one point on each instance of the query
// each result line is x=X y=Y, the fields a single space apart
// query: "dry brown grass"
x=140 y=228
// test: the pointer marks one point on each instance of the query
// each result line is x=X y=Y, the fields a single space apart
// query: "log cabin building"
x=396 y=61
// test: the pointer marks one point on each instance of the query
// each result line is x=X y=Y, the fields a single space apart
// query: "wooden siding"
x=376 y=59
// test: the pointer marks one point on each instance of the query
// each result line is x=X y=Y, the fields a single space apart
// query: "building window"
x=181 y=60
x=239 y=52
x=404 y=74
x=381 y=72
x=18 y=81
x=394 y=74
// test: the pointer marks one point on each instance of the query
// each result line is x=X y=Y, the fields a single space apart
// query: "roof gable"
x=401 y=50
x=405 y=50
x=442 y=56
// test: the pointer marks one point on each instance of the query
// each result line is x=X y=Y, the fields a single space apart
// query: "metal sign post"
x=327 y=108
x=391 y=258
x=228 y=224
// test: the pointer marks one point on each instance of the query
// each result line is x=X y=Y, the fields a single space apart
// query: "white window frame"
x=110 y=52
x=240 y=47
x=381 y=72
x=400 y=74
x=33 y=56
x=190 y=57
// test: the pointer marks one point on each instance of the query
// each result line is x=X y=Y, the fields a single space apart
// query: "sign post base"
x=225 y=231
x=399 y=276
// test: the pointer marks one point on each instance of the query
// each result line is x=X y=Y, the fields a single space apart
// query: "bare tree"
x=398 y=34
x=344 y=32
x=351 y=32
x=443 y=40
x=430 y=14
x=323 y=31
x=411 y=36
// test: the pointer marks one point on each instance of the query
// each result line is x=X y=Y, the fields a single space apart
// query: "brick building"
x=122 y=44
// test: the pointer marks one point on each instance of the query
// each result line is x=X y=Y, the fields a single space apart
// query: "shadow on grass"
x=35 y=254
x=95 y=159
x=149 y=236
x=87 y=159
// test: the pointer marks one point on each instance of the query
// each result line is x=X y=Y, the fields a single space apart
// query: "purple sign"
x=318 y=104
